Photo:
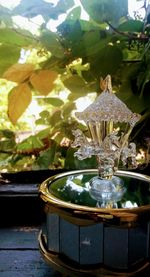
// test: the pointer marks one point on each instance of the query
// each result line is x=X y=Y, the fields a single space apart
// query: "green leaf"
x=40 y=121
x=91 y=43
x=67 y=109
x=72 y=33
x=7 y=145
x=44 y=114
x=87 y=26
x=56 y=102
x=131 y=26
x=128 y=92
x=14 y=38
x=72 y=162
x=91 y=38
x=75 y=31
x=74 y=14
x=51 y=41
x=76 y=85
x=5 y=160
x=44 y=118
x=106 y=10
x=6 y=133
x=46 y=157
x=107 y=61
x=44 y=133
x=67 y=127
x=21 y=163
x=31 y=143
x=8 y=56
x=55 y=118
x=143 y=82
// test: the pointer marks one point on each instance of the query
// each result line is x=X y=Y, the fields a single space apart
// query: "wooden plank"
x=18 y=189
x=20 y=255
x=27 y=263
x=19 y=238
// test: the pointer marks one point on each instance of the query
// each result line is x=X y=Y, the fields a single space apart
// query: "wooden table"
x=19 y=253
x=21 y=218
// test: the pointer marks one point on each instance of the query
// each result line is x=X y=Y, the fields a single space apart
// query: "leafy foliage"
x=72 y=59
x=102 y=11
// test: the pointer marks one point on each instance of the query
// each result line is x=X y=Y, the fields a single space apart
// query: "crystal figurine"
x=110 y=145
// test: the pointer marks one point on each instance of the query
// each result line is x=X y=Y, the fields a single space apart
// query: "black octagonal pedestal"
x=80 y=239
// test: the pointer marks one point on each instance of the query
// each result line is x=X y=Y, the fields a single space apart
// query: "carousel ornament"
x=110 y=145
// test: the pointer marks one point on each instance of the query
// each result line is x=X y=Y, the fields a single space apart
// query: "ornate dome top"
x=108 y=107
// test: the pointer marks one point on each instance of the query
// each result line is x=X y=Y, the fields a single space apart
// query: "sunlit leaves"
x=14 y=37
x=43 y=81
x=18 y=72
x=78 y=67
x=18 y=100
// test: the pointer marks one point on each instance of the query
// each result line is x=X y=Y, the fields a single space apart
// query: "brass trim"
x=54 y=260
x=129 y=215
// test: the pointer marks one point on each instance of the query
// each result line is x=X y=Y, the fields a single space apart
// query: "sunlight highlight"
x=10 y=4
x=32 y=25
x=136 y=6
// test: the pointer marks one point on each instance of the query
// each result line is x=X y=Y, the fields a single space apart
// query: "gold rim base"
x=58 y=264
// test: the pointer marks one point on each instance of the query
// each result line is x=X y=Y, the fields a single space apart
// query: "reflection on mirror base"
x=107 y=192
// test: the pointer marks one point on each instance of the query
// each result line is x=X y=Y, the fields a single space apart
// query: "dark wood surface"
x=19 y=253
x=21 y=217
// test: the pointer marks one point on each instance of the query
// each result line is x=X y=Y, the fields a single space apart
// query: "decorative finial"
x=105 y=84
